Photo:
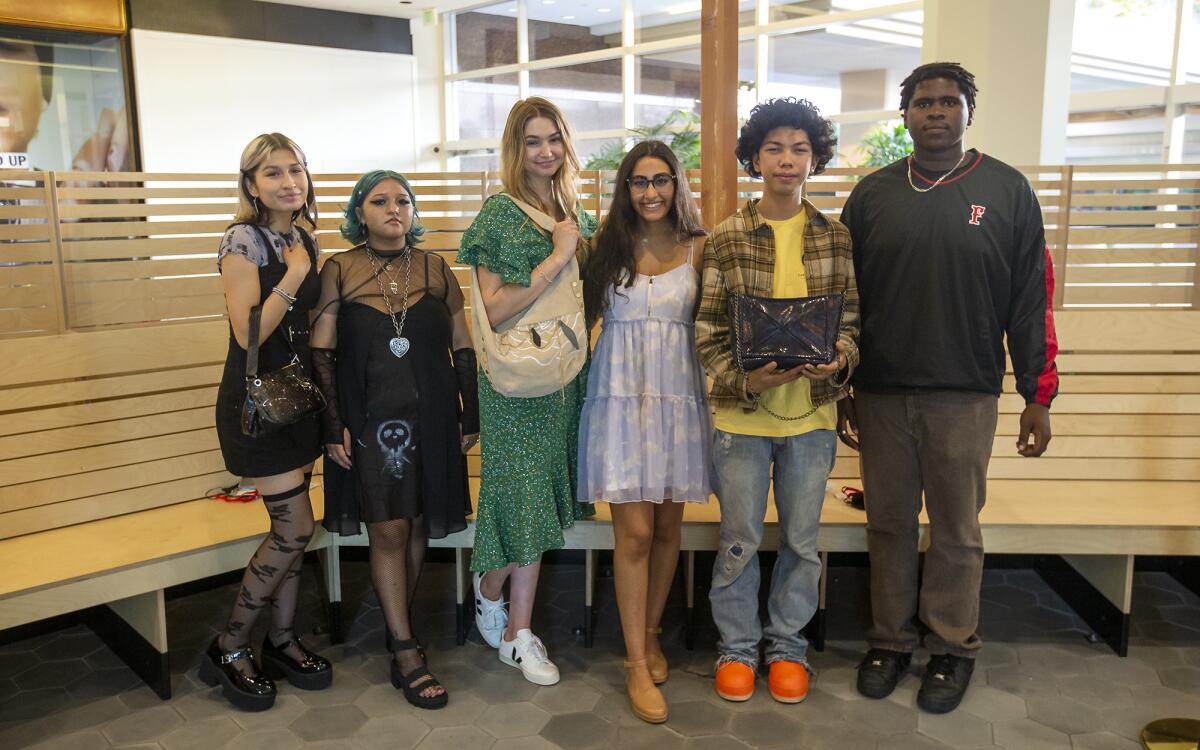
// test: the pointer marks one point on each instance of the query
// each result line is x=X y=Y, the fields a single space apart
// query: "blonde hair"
x=251 y=210
x=512 y=157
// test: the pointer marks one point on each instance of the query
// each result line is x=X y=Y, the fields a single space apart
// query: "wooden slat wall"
x=105 y=409
x=141 y=247
x=104 y=423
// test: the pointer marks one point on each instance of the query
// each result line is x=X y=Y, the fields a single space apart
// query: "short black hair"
x=949 y=70
x=786 y=112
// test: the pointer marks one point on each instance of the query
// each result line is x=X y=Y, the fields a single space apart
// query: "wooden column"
x=718 y=109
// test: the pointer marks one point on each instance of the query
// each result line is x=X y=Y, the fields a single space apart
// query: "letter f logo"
x=976 y=214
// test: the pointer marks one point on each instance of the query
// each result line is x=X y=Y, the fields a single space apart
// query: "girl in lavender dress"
x=645 y=431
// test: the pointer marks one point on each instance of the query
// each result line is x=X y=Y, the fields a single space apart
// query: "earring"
x=258 y=206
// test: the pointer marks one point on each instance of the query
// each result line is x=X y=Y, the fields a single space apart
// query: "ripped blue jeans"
x=742 y=473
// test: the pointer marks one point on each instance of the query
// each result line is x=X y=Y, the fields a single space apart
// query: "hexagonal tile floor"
x=1041 y=682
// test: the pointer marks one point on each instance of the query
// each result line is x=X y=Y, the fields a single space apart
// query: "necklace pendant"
x=394 y=287
x=399 y=346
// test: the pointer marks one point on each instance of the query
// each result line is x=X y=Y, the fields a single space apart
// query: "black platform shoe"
x=312 y=672
x=249 y=692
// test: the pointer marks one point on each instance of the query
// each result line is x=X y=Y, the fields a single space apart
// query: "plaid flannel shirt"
x=739 y=256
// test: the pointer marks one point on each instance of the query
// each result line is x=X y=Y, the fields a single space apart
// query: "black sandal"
x=412 y=693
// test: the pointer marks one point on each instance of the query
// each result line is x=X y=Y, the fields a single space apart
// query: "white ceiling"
x=384 y=7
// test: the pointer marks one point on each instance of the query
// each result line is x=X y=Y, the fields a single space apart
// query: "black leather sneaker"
x=880 y=670
x=945 y=682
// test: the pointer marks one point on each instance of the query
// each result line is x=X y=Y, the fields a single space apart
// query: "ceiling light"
x=568 y=18
x=603 y=10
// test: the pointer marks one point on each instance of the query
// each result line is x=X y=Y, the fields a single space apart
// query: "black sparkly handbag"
x=789 y=332
x=279 y=398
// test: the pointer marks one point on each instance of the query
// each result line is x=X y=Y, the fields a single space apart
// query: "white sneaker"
x=491 y=617
x=528 y=654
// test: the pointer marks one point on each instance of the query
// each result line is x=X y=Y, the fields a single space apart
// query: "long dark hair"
x=611 y=263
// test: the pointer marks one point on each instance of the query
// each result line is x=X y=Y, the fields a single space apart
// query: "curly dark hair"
x=786 y=112
x=951 y=71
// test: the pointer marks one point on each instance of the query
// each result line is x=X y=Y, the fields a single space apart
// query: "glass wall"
x=846 y=56
x=574 y=55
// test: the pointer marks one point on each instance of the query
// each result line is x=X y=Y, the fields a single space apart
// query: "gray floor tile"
x=957 y=729
x=1114 y=669
x=1103 y=741
x=287 y=709
x=457 y=738
x=526 y=743
x=645 y=736
x=567 y=697
x=400 y=732
x=328 y=723
x=1065 y=714
x=914 y=742
x=1026 y=734
x=842 y=736
x=90 y=740
x=143 y=726
x=718 y=742
x=508 y=720
x=206 y=734
x=697 y=718
x=270 y=739
x=881 y=717
x=765 y=728
x=578 y=731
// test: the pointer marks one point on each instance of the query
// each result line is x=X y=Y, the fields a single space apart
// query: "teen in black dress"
x=393 y=356
x=266 y=259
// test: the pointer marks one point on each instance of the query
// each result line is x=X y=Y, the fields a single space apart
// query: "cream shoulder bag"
x=542 y=348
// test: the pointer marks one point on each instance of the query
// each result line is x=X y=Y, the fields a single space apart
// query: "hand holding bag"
x=542 y=348
x=788 y=332
x=278 y=398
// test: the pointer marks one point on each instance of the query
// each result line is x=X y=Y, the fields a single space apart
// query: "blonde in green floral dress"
x=527 y=445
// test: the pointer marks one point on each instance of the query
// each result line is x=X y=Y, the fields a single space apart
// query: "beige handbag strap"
x=540 y=217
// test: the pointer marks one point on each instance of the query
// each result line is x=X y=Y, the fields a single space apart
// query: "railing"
x=77 y=254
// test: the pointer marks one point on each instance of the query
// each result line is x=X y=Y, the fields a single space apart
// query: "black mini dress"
x=293 y=446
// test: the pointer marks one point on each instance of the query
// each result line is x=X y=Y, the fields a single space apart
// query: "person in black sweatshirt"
x=950 y=257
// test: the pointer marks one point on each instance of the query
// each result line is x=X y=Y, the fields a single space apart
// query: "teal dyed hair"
x=354 y=230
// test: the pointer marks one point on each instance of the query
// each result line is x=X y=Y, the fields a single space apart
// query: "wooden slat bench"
x=1121 y=478
x=107 y=449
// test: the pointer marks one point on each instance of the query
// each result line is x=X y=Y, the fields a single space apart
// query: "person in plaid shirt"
x=778 y=246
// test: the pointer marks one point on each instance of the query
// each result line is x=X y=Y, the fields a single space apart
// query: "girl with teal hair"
x=393 y=357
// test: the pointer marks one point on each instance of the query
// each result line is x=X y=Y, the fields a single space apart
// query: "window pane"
x=1103 y=53
x=589 y=94
x=1116 y=141
x=482 y=105
x=561 y=28
x=60 y=91
x=476 y=161
x=790 y=10
x=670 y=19
x=666 y=82
x=846 y=68
x=485 y=37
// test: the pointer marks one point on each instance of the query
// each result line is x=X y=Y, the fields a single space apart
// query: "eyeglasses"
x=660 y=181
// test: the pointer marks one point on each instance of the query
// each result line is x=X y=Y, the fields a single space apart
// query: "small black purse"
x=278 y=398
x=789 y=332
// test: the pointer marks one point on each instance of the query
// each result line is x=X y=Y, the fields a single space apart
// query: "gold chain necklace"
x=937 y=182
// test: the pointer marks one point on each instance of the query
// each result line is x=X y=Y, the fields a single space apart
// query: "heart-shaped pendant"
x=399 y=346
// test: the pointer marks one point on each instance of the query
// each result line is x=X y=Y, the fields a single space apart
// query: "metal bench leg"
x=136 y=630
x=331 y=567
x=589 y=590
x=689 y=581
x=461 y=573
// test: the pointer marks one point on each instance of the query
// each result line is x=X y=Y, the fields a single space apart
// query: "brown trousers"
x=937 y=444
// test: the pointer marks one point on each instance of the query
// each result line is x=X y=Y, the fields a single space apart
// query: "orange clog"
x=789 y=681
x=735 y=681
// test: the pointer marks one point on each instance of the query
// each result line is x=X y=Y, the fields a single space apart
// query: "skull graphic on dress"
x=395 y=438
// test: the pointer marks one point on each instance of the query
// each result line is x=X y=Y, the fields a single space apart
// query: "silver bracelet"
x=287 y=297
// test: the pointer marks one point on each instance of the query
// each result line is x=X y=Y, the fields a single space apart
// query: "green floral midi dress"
x=528 y=446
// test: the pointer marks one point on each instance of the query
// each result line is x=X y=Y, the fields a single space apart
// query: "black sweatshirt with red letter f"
x=945 y=275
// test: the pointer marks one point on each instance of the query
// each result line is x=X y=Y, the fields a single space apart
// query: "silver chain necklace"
x=937 y=182
x=398 y=345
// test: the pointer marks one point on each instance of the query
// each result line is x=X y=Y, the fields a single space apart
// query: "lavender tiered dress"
x=645 y=432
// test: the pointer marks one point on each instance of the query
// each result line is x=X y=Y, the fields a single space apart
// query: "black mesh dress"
x=405 y=413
